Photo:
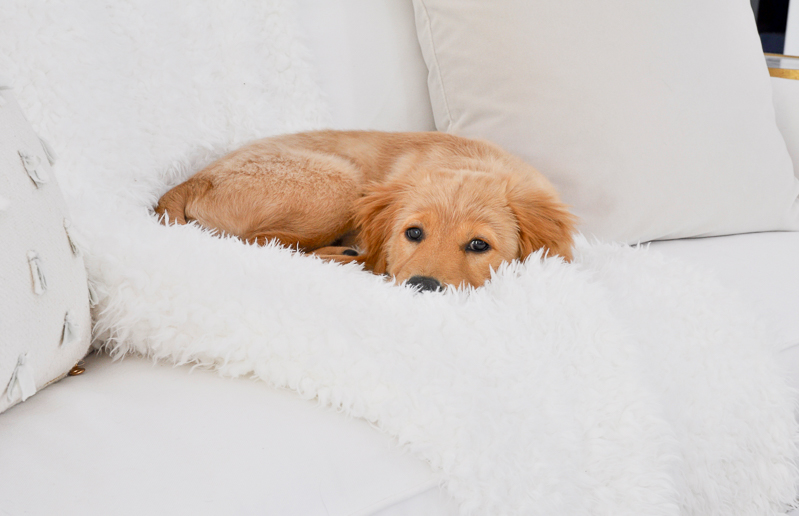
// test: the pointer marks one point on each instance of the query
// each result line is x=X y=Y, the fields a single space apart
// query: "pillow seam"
x=437 y=64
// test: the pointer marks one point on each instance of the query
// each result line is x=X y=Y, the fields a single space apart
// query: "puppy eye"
x=478 y=246
x=414 y=234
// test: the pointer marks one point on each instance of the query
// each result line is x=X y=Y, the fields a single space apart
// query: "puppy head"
x=453 y=227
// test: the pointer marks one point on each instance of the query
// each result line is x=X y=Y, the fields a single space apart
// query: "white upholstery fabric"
x=368 y=62
x=653 y=119
x=44 y=298
x=763 y=267
x=132 y=438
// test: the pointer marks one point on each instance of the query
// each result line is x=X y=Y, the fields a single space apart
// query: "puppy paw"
x=338 y=254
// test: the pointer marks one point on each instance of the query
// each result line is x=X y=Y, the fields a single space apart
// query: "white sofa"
x=133 y=437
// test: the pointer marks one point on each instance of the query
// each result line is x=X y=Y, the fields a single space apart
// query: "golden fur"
x=320 y=189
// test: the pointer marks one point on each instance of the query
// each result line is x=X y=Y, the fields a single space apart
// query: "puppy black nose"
x=424 y=283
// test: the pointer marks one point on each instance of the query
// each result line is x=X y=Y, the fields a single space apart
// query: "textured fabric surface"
x=654 y=120
x=126 y=89
x=619 y=384
x=317 y=457
x=44 y=297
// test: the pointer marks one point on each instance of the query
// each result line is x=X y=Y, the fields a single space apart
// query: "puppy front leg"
x=339 y=254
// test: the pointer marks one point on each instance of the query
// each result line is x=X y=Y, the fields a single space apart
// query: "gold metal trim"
x=784 y=73
x=781 y=55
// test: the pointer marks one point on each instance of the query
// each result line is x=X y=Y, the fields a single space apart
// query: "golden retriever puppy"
x=431 y=208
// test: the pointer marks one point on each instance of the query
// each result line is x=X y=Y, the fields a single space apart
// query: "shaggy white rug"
x=619 y=384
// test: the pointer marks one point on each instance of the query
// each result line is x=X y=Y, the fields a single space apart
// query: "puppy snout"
x=424 y=283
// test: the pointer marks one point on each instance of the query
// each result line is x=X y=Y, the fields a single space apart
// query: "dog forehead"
x=460 y=194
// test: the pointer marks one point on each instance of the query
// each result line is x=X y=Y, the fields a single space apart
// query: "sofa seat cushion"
x=762 y=267
x=133 y=437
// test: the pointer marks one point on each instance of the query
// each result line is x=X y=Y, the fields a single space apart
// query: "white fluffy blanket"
x=619 y=384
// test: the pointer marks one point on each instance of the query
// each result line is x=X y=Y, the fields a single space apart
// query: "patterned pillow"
x=45 y=325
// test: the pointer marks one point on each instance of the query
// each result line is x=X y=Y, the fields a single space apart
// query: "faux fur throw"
x=620 y=384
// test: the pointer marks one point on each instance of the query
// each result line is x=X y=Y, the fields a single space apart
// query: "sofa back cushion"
x=653 y=119
x=368 y=63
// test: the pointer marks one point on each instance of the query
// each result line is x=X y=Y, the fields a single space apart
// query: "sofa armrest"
x=784 y=71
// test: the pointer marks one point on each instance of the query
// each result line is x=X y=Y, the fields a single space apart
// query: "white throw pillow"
x=653 y=119
x=45 y=325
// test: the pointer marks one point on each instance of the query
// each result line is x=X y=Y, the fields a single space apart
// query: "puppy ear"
x=374 y=217
x=544 y=221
